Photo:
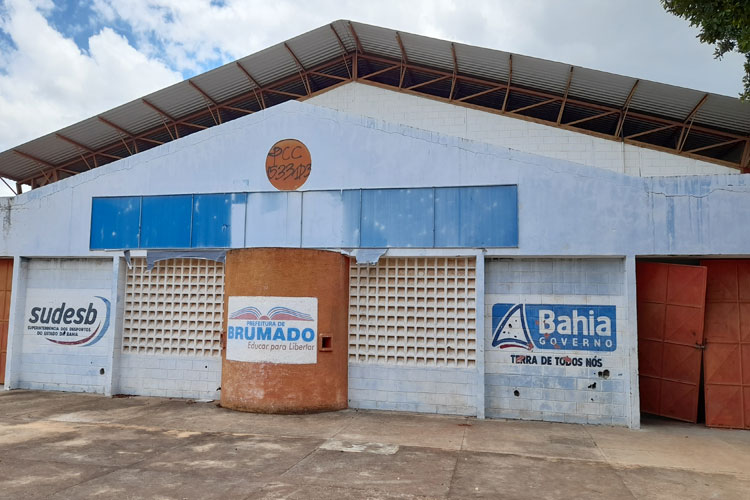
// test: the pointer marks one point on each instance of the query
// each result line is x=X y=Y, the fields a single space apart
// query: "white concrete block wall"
x=506 y=131
x=426 y=390
x=558 y=393
x=170 y=376
x=43 y=365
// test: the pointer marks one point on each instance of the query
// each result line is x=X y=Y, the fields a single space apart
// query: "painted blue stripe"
x=467 y=217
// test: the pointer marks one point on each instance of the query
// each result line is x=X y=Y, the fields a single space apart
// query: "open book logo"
x=274 y=314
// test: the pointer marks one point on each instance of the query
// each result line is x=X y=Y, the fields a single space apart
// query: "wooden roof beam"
x=356 y=38
x=434 y=80
x=651 y=131
x=404 y=60
x=261 y=100
x=589 y=118
x=209 y=101
x=338 y=38
x=455 y=71
x=536 y=104
x=301 y=69
x=166 y=115
x=711 y=146
x=625 y=108
x=684 y=132
x=343 y=49
x=510 y=80
x=86 y=148
x=477 y=94
x=52 y=168
x=565 y=96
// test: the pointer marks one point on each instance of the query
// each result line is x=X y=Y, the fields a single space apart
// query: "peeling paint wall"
x=558 y=391
x=49 y=366
x=564 y=208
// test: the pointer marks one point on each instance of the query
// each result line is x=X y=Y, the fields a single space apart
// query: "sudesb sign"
x=67 y=317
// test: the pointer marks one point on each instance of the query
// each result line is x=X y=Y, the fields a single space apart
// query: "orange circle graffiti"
x=288 y=164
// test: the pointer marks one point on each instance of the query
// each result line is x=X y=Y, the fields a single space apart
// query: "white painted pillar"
x=631 y=344
x=117 y=296
x=15 y=325
x=479 y=384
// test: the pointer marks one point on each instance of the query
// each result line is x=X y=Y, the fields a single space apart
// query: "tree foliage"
x=723 y=23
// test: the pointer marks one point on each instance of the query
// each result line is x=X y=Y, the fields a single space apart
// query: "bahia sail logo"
x=72 y=322
x=554 y=326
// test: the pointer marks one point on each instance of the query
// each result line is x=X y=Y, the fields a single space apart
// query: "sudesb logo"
x=63 y=320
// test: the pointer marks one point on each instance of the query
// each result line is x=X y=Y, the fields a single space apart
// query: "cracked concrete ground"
x=70 y=446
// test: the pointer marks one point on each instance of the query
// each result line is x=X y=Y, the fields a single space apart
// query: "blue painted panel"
x=273 y=219
x=331 y=219
x=115 y=222
x=476 y=216
x=397 y=218
x=215 y=217
x=165 y=221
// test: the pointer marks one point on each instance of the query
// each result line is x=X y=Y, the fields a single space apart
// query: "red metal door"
x=671 y=301
x=6 y=278
x=727 y=354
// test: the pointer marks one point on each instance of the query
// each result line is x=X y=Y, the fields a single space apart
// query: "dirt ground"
x=70 y=446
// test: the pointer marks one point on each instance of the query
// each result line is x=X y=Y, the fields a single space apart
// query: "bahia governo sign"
x=273 y=330
x=73 y=318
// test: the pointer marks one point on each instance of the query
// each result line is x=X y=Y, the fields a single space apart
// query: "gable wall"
x=514 y=133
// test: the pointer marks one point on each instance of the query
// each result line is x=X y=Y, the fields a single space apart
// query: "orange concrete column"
x=278 y=387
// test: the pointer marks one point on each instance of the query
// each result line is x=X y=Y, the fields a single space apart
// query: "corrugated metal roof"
x=224 y=84
x=321 y=45
x=597 y=86
x=427 y=51
x=483 y=63
x=665 y=100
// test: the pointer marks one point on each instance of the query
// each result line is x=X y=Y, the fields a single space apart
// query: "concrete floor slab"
x=655 y=483
x=55 y=445
x=401 y=429
x=17 y=404
x=279 y=491
x=315 y=425
x=404 y=472
x=675 y=445
x=27 y=479
x=136 y=484
x=542 y=439
x=232 y=456
x=489 y=475
x=96 y=445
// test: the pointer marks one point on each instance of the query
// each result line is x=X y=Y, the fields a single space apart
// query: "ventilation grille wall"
x=413 y=311
x=176 y=309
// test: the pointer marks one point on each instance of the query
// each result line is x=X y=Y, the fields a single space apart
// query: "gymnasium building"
x=365 y=218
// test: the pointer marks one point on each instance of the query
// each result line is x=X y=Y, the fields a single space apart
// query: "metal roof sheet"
x=223 y=83
x=598 y=86
x=321 y=45
x=135 y=117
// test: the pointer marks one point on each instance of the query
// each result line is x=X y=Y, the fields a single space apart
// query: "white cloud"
x=48 y=82
x=636 y=38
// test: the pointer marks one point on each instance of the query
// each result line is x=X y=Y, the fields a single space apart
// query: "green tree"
x=724 y=23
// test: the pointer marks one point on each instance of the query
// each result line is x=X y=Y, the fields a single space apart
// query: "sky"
x=62 y=61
